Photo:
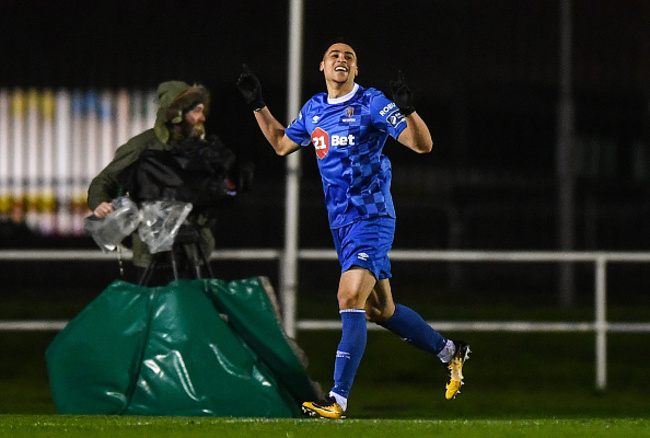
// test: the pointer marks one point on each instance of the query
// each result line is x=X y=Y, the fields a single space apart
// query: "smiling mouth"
x=341 y=69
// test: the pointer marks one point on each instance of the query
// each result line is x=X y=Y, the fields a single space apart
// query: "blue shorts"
x=366 y=243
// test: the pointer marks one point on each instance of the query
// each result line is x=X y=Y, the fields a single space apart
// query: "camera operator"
x=173 y=160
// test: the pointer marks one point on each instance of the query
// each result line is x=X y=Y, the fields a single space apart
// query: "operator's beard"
x=195 y=131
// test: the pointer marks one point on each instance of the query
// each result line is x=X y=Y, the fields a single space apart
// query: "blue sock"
x=409 y=325
x=350 y=351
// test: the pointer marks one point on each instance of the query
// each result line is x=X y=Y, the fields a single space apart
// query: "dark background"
x=485 y=76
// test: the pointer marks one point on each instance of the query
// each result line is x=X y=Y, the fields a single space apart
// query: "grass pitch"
x=517 y=385
x=18 y=426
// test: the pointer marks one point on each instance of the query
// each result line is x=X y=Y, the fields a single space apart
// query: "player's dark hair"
x=337 y=40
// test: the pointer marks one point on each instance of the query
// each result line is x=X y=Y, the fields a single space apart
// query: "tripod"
x=186 y=258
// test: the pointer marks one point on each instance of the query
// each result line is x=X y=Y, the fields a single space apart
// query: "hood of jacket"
x=174 y=98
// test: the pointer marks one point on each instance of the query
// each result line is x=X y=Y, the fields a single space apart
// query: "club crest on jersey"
x=349 y=115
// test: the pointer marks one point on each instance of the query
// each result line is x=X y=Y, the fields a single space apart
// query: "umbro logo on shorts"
x=363 y=256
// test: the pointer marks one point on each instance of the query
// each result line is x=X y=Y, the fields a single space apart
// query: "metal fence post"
x=601 y=322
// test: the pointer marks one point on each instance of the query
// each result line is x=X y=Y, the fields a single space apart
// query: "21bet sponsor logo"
x=321 y=141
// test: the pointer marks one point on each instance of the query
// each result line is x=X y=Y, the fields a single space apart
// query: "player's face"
x=340 y=63
x=194 y=120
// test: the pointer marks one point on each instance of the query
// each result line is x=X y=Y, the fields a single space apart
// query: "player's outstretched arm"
x=416 y=136
x=274 y=132
x=251 y=91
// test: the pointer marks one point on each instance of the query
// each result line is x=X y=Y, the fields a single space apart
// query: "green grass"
x=517 y=384
x=28 y=426
x=509 y=376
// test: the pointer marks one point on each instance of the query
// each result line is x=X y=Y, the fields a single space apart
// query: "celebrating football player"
x=348 y=127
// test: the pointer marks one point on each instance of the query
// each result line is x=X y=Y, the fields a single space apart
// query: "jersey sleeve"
x=297 y=131
x=386 y=116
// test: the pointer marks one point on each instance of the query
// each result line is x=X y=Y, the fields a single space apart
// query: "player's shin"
x=409 y=325
x=350 y=350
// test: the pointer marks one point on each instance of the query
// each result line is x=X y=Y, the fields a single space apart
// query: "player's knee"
x=372 y=313
x=348 y=303
x=379 y=314
x=348 y=300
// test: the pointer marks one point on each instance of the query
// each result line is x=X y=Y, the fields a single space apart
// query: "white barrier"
x=600 y=326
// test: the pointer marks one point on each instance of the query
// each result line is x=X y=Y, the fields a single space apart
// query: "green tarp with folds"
x=192 y=348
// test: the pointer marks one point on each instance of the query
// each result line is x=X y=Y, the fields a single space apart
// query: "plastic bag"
x=110 y=230
x=160 y=223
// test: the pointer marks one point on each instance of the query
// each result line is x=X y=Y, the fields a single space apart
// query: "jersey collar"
x=333 y=101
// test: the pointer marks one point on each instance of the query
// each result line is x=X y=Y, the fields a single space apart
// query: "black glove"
x=251 y=89
x=402 y=95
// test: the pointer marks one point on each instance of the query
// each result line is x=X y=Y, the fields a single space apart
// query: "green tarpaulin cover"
x=192 y=348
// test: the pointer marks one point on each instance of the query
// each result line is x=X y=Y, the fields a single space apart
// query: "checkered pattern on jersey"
x=366 y=172
x=356 y=176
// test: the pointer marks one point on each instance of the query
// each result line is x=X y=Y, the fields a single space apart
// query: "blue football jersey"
x=348 y=135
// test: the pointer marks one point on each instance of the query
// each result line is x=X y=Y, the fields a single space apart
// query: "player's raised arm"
x=416 y=136
x=251 y=90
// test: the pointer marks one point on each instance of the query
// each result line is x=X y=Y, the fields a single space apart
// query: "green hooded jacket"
x=173 y=98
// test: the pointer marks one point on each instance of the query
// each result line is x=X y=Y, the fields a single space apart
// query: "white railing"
x=599 y=326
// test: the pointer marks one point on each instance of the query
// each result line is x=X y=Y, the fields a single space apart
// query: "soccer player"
x=348 y=127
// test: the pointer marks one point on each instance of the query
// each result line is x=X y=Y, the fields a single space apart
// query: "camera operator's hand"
x=402 y=95
x=251 y=89
x=103 y=209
